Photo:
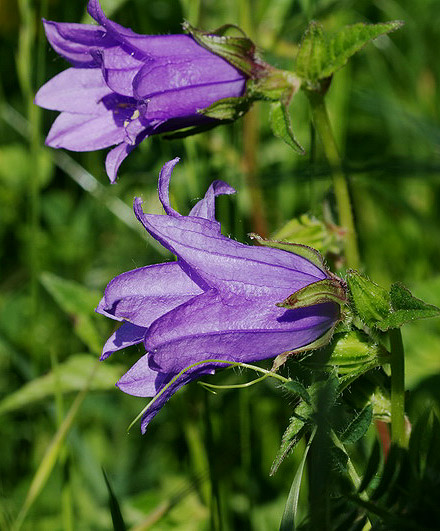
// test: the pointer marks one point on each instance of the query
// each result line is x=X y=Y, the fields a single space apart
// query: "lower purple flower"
x=217 y=301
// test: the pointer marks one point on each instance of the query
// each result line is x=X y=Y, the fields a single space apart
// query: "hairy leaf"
x=282 y=126
x=406 y=308
x=320 y=56
x=370 y=301
x=358 y=426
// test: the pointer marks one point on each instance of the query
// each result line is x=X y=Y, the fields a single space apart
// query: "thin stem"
x=324 y=128
x=398 y=435
x=251 y=140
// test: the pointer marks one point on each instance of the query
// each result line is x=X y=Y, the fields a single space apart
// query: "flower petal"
x=225 y=263
x=187 y=101
x=141 y=380
x=125 y=336
x=115 y=158
x=205 y=208
x=83 y=132
x=230 y=327
x=142 y=295
x=75 y=42
x=175 y=72
x=78 y=90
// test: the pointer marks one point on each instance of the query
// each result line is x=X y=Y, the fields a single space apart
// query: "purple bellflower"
x=217 y=301
x=124 y=87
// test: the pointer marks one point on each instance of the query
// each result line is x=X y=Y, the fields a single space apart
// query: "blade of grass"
x=51 y=456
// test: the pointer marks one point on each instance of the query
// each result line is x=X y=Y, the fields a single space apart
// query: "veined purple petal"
x=75 y=42
x=141 y=380
x=142 y=295
x=177 y=73
x=82 y=132
x=205 y=208
x=125 y=336
x=115 y=158
x=186 y=101
x=77 y=90
x=119 y=68
x=225 y=263
x=231 y=327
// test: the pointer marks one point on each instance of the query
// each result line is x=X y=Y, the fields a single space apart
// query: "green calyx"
x=331 y=289
x=264 y=82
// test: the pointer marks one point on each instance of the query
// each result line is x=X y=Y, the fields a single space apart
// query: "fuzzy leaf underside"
x=320 y=56
x=281 y=126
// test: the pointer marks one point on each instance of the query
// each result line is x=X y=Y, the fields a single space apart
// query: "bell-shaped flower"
x=218 y=301
x=124 y=87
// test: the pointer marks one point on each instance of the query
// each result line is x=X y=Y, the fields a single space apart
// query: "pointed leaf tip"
x=282 y=127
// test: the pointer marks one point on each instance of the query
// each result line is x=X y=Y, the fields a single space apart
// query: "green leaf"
x=339 y=459
x=350 y=40
x=327 y=290
x=115 y=510
x=291 y=437
x=72 y=375
x=372 y=466
x=293 y=386
x=358 y=426
x=282 y=126
x=290 y=510
x=320 y=56
x=370 y=301
x=79 y=302
x=406 y=308
x=312 y=55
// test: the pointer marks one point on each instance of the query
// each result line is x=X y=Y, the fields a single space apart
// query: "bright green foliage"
x=78 y=302
x=282 y=127
x=406 y=308
x=72 y=375
x=370 y=301
x=320 y=56
x=383 y=310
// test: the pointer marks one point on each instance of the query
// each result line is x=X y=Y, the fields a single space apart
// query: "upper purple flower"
x=217 y=301
x=124 y=86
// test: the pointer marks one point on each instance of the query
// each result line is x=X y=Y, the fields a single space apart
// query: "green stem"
x=324 y=128
x=398 y=435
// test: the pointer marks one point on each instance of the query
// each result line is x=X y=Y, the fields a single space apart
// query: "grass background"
x=60 y=218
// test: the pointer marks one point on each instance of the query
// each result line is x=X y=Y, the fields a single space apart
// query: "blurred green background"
x=65 y=232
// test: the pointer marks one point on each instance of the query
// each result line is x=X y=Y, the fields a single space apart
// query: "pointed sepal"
x=305 y=251
x=370 y=301
x=331 y=289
